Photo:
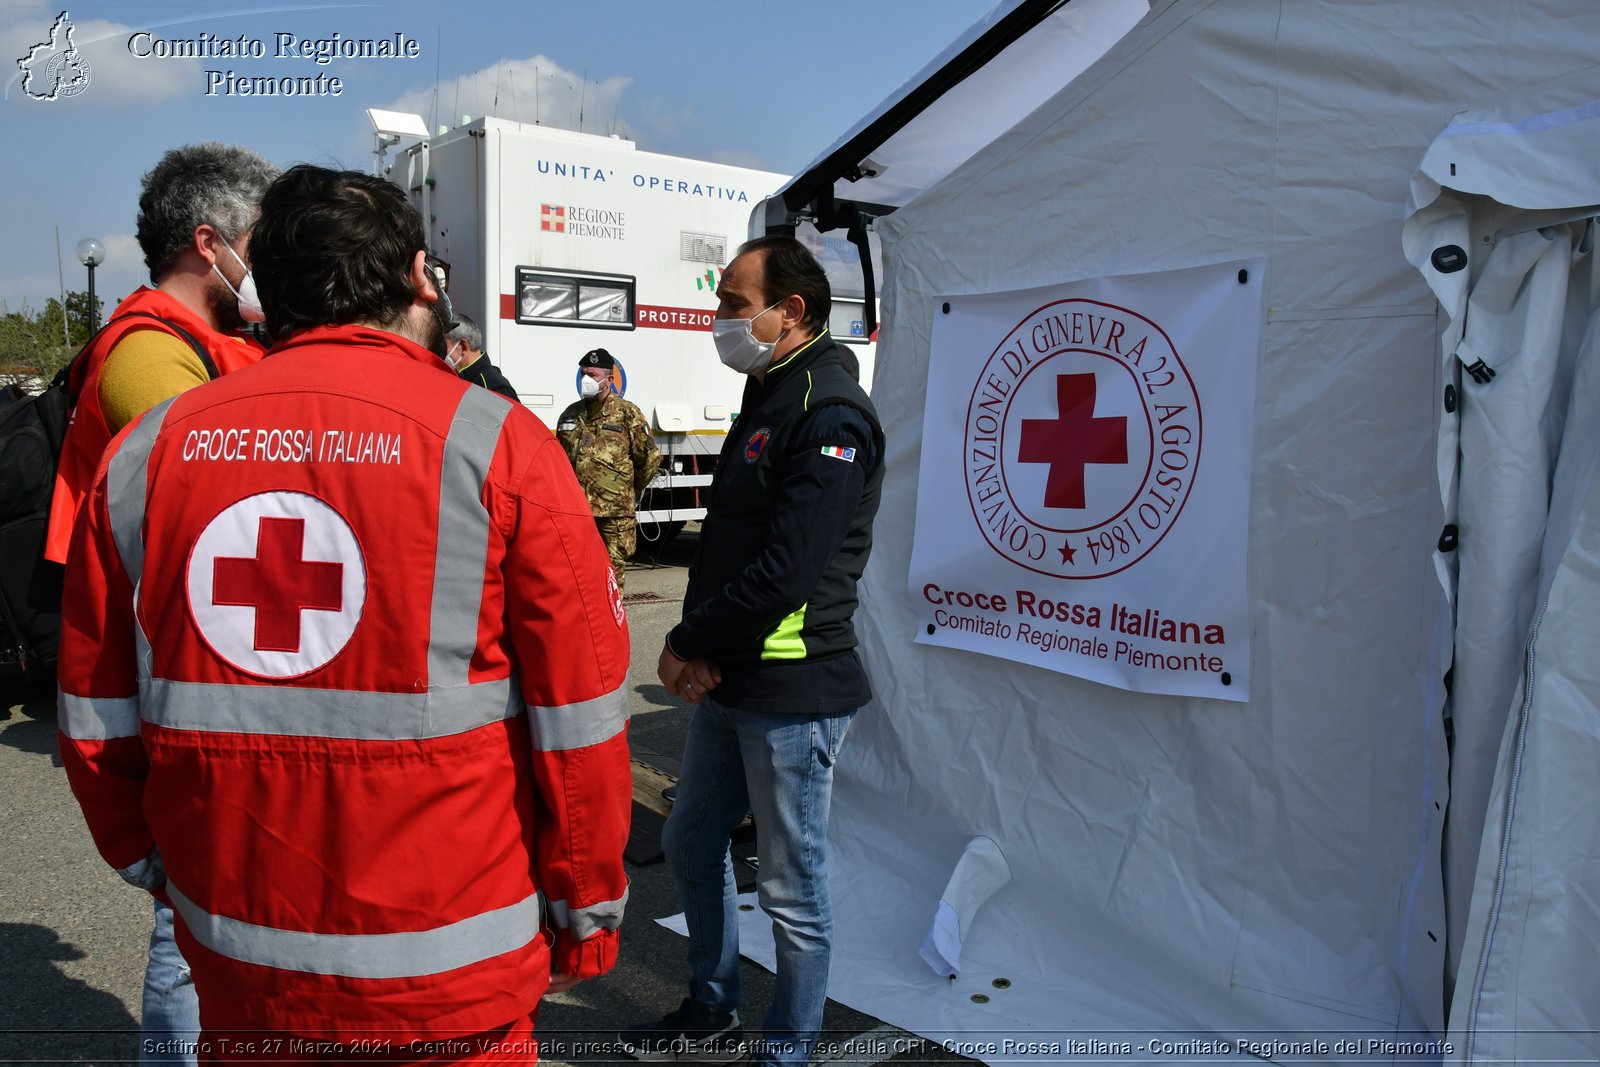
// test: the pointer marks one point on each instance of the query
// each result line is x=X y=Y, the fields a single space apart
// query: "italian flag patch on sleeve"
x=835 y=452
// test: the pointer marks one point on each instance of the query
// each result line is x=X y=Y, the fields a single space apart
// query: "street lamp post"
x=91 y=254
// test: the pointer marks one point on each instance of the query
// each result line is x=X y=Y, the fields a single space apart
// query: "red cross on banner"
x=1073 y=440
x=279 y=583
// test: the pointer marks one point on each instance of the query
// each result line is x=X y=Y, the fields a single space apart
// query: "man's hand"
x=669 y=668
x=699 y=677
x=560 y=983
x=690 y=679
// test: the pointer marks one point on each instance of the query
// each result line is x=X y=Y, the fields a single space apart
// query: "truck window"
x=562 y=298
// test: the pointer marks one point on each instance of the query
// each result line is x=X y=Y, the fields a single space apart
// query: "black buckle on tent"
x=1481 y=372
x=1447 y=259
x=1449 y=538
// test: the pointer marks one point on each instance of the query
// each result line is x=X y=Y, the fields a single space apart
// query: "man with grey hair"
x=197 y=208
x=467 y=356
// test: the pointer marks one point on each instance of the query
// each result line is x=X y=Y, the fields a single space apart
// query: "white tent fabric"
x=1512 y=183
x=966 y=118
x=1526 y=990
x=1260 y=873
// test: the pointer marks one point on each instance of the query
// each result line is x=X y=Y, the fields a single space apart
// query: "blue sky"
x=754 y=83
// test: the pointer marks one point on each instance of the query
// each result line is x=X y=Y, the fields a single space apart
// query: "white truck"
x=560 y=242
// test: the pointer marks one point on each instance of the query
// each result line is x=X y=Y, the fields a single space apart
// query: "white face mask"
x=737 y=345
x=450 y=357
x=589 y=387
x=245 y=295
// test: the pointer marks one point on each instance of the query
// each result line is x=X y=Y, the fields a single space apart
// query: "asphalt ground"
x=73 y=936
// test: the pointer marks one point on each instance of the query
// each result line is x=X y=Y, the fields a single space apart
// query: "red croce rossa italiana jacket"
x=342 y=669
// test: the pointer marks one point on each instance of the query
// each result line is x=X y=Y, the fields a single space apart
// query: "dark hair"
x=219 y=185
x=333 y=247
x=789 y=269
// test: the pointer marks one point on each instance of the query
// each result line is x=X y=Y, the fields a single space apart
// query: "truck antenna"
x=437 y=34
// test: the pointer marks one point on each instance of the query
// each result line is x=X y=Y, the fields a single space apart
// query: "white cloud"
x=128 y=78
x=117 y=77
x=537 y=89
x=123 y=271
x=738 y=157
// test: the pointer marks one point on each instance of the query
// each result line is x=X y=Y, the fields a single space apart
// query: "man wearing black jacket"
x=466 y=355
x=767 y=652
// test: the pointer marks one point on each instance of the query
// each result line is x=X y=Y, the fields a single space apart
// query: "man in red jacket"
x=196 y=209
x=343 y=669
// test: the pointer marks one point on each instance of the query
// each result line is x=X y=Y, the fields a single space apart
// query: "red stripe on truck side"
x=647 y=317
x=669 y=318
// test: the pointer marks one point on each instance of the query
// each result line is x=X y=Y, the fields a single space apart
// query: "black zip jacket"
x=788 y=529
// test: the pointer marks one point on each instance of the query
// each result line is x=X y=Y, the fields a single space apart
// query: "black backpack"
x=32 y=430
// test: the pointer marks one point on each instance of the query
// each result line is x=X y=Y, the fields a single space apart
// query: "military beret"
x=597 y=357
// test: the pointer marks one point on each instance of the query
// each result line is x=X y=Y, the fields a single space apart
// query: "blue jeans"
x=169 y=1027
x=780 y=767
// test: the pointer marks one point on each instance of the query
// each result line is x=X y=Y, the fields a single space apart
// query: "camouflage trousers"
x=621 y=538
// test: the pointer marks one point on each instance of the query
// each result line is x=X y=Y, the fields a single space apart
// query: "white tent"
x=1287 y=875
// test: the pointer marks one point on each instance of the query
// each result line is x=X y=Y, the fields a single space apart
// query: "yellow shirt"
x=143 y=369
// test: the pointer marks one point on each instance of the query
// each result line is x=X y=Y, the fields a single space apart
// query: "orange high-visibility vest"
x=88 y=433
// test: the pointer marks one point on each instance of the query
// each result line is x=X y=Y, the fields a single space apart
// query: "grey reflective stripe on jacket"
x=104 y=718
x=406 y=954
x=97 y=718
x=580 y=725
x=342 y=713
x=127 y=479
x=580 y=923
x=463 y=545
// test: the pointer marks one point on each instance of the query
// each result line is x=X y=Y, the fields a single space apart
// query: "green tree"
x=78 y=314
x=33 y=345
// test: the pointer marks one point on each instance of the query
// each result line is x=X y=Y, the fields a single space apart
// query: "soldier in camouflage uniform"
x=611 y=449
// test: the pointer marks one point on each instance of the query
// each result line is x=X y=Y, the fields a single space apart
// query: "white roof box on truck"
x=561 y=242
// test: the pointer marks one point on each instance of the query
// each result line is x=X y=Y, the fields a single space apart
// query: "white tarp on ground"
x=1268 y=869
x=1102 y=433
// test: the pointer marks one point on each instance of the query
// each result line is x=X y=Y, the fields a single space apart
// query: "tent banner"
x=1102 y=432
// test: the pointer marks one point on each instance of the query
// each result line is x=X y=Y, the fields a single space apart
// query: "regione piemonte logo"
x=1082 y=440
x=54 y=69
x=276 y=584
